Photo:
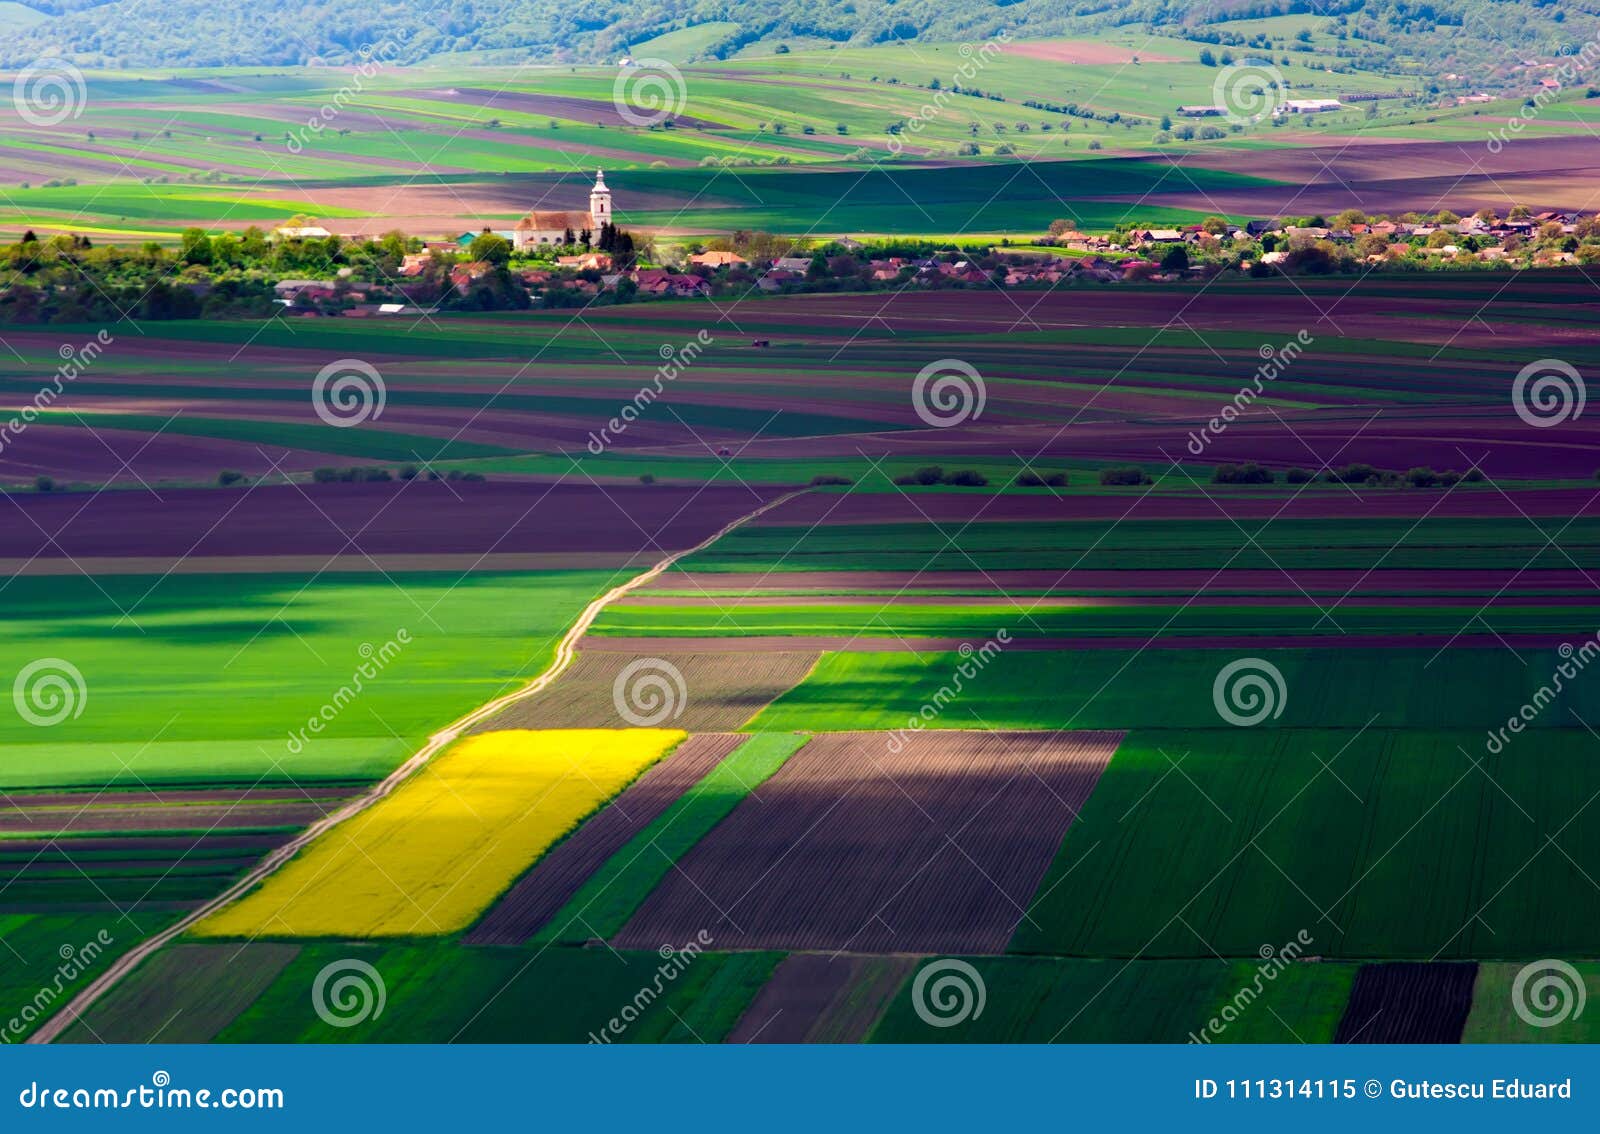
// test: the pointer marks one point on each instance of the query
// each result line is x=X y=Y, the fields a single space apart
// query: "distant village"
x=573 y=258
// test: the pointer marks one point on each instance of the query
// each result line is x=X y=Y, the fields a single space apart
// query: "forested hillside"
x=1469 y=35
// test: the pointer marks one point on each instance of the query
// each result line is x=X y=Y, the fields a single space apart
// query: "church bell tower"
x=600 y=201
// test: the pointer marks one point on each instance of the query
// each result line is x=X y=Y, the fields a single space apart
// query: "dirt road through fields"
x=566 y=650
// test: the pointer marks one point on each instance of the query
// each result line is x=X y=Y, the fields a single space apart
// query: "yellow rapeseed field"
x=432 y=856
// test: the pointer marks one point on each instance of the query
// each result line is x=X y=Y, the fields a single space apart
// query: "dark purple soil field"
x=938 y=847
x=547 y=887
x=1408 y=1003
x=372 y=519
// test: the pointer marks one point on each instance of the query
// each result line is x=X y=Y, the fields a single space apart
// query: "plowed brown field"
x=937 y=847
x=721 y=689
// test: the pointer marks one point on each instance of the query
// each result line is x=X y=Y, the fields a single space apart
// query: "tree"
x=1176 y=259
x=1372 y=244
x=1166 y=122
x=1206 y=58
x=1216 y=226
x=492 y=249
x=1062 y=225
x=195 y=246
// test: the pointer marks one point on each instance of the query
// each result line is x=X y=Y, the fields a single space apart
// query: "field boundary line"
x=566 y=653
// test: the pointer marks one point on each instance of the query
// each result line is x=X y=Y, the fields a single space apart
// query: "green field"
x=1046 y=617
x=1037 y=1000
x=1378 y=843
x=52 y=956
x=201 y=678
x=443 y=993
x=1131 y=545
x=1172 y=689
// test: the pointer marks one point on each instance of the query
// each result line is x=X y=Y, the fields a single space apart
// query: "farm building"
x=551 y=226
x=1202 y=111
x=1308 y=106
x=300 y=232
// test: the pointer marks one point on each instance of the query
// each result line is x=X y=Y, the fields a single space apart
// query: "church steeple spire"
x=600 y=201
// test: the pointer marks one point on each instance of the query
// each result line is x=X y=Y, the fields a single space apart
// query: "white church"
x=551 y=226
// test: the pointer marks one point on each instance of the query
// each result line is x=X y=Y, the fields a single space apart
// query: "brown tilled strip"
x=541 y=892
x=863 y=842
x=795 y=998
x=49 y=821
x=851 y=1017
x=174 y=797
x=722 y=689
x=139 y=843
x=1409 y=1002
x=186 y=994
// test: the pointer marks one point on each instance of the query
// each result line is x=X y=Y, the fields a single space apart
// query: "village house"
x=463 y=276
x=718 y=260
x=587 y=261
x=287 y=291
